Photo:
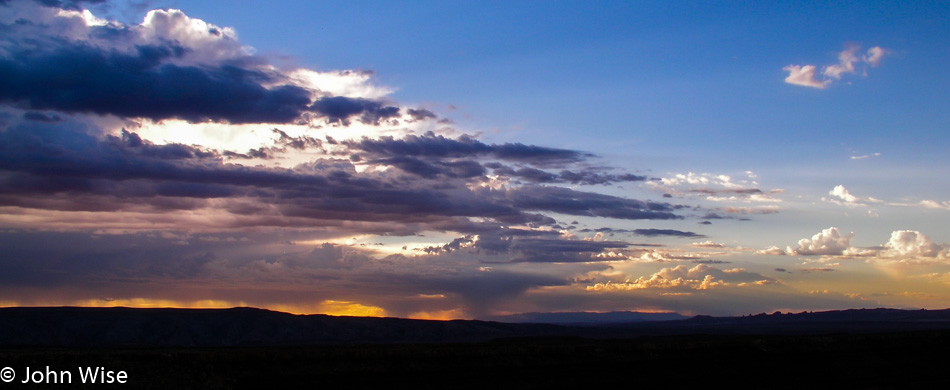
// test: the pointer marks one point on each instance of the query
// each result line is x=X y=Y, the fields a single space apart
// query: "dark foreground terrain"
x=884 y=349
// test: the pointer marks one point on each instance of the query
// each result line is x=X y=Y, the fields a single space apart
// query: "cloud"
x=865 y=156
x=717 y=188
x=751 y=210
x=170 y=66
x=57 y=166
x=848 y=63
x=708 y=244
x=772 y=250
x=804 y=75
x=339 y=109
x=700 y=277
x=666 y=232
x=137 y=214
x=571 y=202
x=845 y=198
x=904 y=246
x=828 y=242
x=874 y=56
x=911 y=244
x=41 y=117
x=932 y=204
x=846 y=60
x=431 y=145
x=533 y=246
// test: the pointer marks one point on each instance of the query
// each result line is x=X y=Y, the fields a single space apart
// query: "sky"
x=455 y=159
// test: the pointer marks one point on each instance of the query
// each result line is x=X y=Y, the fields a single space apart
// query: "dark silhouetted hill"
x=586 y=318
x=77 y=327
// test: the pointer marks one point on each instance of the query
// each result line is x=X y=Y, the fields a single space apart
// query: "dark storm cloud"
x=571 y=202
x=302 y=142
x=479 y=292
x=419 y=167
x=530 y=174
x=59 y=159
x=261 y=153
x=74 y=5
x=666 y=232
x=41 y=117
x=534 y=175
x=536 y=250
x=48 y=162
x=339 y=109
x=46 y=259
x=431 y=145
x=79 y=78
x=119 y=71
x=589 y=177
x=537 y=246
x=59 y=153
x=420 y=114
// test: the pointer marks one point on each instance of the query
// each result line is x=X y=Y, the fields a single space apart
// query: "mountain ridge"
x=131 y=327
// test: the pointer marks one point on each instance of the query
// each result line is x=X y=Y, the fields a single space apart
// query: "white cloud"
x=911 y=244
x=208 y=44
x=715 y=187
x=829 y=242
x=848 y=63
x=904 y=246
x=874 y=56
x=843 y=193
x=932 y=204
x=865 y=156
x=804 y=75
x=708 y=244
x=845 y=198
x=772 y=250
x=670 y=255
x=845 y=65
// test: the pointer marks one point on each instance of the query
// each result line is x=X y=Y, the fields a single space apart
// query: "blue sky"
x=717 y=168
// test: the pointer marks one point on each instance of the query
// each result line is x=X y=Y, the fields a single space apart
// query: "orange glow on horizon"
x=327 y=307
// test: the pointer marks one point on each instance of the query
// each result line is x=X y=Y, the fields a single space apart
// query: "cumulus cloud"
x=772 y=250
x=904 y=246
x=828 y=242
x=700 y=277
x=911 y=244
x=849 y=62
x=845 y=198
